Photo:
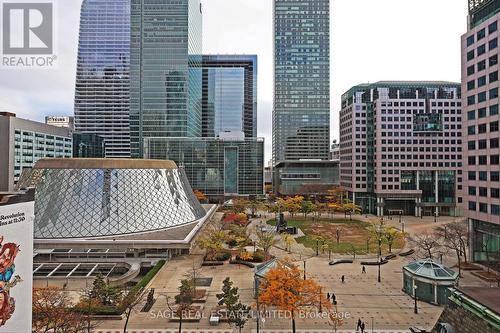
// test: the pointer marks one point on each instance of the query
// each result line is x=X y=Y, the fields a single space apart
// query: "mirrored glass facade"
x=301 y=110
x=102 y=92
x=166 y=46
x=214 y=166
x=119 y=199
x=229 y=95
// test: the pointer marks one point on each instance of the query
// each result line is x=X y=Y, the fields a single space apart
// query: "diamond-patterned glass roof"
x=430 y=269
x=82 y=203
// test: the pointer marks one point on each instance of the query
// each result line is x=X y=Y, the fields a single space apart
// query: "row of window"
x=481 y=49
x=483 y=208
x=481 y=97
x=481 y=65
x=482 y=128
x=482 y=33
x=483 y=191
x=494 y=176
x=483 y=160
x=483 y=144
x=482 y=112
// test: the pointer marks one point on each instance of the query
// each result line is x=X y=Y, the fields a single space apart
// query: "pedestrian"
x=342 y=278
x=363 y=270
x=358 y=325
x=328 y=296
x=363 y=327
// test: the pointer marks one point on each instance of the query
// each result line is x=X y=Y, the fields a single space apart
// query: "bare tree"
x=426 y=245
x=454 y=237
x=129 y=304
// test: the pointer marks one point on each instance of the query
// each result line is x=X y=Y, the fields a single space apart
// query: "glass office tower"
x=102 y=89
x=229 y=102
x=301 y=111
x=165 y=70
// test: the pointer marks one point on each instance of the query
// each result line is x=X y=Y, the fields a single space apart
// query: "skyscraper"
x=165 y=70
x=229 y=95
x=481 y=129
x=301 y=110
x=401 y=147
x=102 y=94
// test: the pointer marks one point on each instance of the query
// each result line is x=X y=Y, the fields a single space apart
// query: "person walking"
x=328 y=296
x=358 y=325
x=342 y=278
x=363 y=270
x=363 y=327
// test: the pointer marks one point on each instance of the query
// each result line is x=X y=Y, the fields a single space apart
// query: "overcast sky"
x=371 y=40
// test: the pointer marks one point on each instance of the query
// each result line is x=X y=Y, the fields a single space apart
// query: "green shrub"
x=258 y=256
x=223 y=256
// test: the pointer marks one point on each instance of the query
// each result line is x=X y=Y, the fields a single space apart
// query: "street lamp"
x=304 y=269
x=403 y=226
x=379 y=229
x=435 y=216
x=415 y=297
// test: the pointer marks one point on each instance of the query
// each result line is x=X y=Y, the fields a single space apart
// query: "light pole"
x=304 y=269
x=415 y=297
x=435 y=217
x=379 y=229
x=403 y=226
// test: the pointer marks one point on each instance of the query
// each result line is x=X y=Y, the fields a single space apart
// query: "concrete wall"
x=463 y=321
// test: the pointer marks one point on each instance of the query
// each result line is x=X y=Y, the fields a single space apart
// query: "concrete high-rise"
x=401 y=147
x=301 y=109
x=102 y=92
x=165 y=70
x=481 y=130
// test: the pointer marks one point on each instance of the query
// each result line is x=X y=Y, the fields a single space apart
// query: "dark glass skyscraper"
x=301 y=111
x=229 y=100
x=102 y=77
x=165 y=70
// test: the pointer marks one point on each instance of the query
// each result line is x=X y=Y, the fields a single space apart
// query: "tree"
x=454 y=237
x=266 y=240
x=104 y=293
x=426 y=245
x=390 y=235
x=307 y=207
x=129 y=302
x=350 y=208
x=183 y=300
x=294 y=204
x=200 y=196
x=254 y=206
x=51 y=312
x=288 y=240
x=238 y=313
x=239 y=206
x=212 y=240
x=285 y=288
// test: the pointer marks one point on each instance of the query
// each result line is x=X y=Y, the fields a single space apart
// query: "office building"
x=221 y=167
x=61 y=121
x=23 y=142
x=229 y=100
x=481 y=130
x=102 y=91
x=301 y=110
x=401 y=147
x=165 y=70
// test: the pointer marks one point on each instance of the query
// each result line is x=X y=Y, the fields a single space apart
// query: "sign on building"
x=16 y=267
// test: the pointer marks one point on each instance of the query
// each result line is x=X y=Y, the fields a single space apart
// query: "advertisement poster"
x=16 y=267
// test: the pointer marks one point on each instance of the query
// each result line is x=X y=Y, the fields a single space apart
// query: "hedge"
x=148 y=277
x=246 y=263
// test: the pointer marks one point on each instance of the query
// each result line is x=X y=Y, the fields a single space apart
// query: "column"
x=436 y=294
x=416 y=207
x=436 y=190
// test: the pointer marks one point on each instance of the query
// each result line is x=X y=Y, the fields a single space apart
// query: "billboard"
x=16 y=267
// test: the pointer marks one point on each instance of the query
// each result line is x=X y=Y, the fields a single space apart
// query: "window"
x=491 y=28
x=495 y=176
x=471 y=175
x=470 y=40
x=481 y=97
x=471 y=115
x=495 y=159
x=483 y=176
x=494 y=126
x=493 y=93
x=472 y=205
x=493 y=44
x=495 y=192
x=481 y=50
x=471 y=130
x=494 y=77
x=470 y=55
x=494 y=143
x=481 y=65
x=481 y=113
x=481 y=34
x=471 y=145
x=471 y=160
x=481 y=81
x=495 y=209
x=494 y=110
x=482 y=144
x=483 y=207
x=472 y=190
x=481 y=128
x=493 y=61
x=483 y=160
x=471 y=100
x=483 y=192
x=470 y=69
x=471 y=85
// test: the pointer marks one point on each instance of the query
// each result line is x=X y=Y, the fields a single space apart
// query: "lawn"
x=353 y=234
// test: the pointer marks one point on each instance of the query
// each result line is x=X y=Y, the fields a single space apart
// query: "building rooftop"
x=489 y=297
x=427 y=268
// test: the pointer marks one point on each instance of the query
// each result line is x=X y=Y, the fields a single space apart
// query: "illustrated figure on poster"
x=8 y=280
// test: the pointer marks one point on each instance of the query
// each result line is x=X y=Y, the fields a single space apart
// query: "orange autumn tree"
x=285 y=288
x=200 y=196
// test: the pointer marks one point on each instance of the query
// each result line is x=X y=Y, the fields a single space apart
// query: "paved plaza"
x=382 y=306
